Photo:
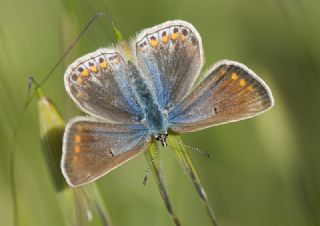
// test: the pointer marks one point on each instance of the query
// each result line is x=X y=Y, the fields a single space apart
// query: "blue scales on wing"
x=170 y=57
x=98 y=83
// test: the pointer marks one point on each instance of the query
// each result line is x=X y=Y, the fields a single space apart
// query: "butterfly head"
x=162 y=138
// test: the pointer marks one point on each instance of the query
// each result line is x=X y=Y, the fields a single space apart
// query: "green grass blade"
x=118 y=35
x=51 y=132
x=156 y=171
x=183 y=157
x=81 y=206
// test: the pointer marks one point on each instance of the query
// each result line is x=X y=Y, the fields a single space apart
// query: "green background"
x=265 y=170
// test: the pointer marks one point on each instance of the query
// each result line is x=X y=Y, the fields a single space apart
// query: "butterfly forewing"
x=229 y=92
x=93 y=148
x=98 y=84
x=170 y=56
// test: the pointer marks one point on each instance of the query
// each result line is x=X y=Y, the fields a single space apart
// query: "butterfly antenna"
x=83 y=31
x=194 y=149
x=150 y=164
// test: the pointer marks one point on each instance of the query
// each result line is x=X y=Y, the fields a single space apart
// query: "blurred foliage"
x=82 y=206
x=265 y=170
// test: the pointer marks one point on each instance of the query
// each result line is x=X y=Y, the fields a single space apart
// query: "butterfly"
x=140 y=93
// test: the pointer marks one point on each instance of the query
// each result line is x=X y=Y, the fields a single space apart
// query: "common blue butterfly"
x=141 y=93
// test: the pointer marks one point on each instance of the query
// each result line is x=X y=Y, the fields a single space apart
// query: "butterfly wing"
x=98 y=83
x=92 y=148
x=170 y=56
x=229 y=92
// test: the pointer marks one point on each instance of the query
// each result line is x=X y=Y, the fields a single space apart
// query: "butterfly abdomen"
x=153 y=115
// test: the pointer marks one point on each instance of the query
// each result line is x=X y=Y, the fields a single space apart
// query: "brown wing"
x=91 y=148
x=230 y=92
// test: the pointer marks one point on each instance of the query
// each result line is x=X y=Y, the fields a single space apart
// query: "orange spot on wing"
x=77 y=138
x=154 y=42
x=222 y=71
x=77 y=149
x=164 y=39
x=234 y=76
x=250 y=88
x=242 y=82
x=75 y=158
x=103 y=65
x=174 y=36
x=85 y=72
x=94 y=69
x=183 y=38
x=79 y=81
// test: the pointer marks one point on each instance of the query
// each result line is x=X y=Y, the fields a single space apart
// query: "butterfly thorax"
x=162 y=138
x=154 y=118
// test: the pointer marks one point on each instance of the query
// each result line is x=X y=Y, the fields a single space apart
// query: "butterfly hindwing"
x=170 y=56
x=92 y=148
x=229 y=92
x=98 y=84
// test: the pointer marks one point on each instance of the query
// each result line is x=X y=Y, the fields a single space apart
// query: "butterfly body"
x=154 y=118
x=135 y=99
